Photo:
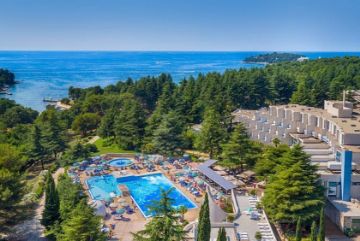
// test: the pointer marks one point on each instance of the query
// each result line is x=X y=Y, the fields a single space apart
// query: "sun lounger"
x=120 y=218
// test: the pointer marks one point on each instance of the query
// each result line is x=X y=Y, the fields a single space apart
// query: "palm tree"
x=165 y=224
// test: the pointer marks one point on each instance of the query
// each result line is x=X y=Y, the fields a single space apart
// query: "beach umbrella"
x=199 y=181
x=124 y=204
x=120 y=211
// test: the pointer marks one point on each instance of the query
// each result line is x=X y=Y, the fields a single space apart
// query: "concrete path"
x=31 y=229
x=92 y=140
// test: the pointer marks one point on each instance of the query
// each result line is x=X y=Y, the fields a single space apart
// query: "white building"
x=330 y=135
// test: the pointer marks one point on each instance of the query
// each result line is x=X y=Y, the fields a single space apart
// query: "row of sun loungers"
x=266 y=232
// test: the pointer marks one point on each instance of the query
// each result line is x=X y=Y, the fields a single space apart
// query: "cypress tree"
x=313 y=231
x=298 y=230
x=204 y=226
x=51 y=211
x=321 y=234
x=221 y=235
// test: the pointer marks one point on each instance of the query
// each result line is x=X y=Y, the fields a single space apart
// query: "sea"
x=49 y=74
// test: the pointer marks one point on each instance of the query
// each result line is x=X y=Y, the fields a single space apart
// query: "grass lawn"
x=113 y=148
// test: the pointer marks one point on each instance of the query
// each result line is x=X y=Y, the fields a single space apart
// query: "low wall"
x=235 y=204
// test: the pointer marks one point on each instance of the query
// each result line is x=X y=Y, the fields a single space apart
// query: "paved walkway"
x=244 y=222
x=92 y=140
x=31 y=229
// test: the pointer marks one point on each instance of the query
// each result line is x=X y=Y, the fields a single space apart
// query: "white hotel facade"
x=331 y=136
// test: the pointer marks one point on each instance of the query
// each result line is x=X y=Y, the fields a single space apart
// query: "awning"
x=212 y=175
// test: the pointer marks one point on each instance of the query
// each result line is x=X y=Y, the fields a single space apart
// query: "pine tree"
x=212 y=133
x=296 y=186
x=204 y=226
x=167 y=137
x=51 y=212
x=81 y=225
x=239 y=149
x=321 y=234
x=165 y=224
x=36 y=150
x=106 y=127
x=270 y=159
x=53 y=133
x=313 y=231
x=298 y=230
x=221 y=235
x=129 y=124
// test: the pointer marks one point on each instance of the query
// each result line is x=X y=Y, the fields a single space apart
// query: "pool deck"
x=124 y=229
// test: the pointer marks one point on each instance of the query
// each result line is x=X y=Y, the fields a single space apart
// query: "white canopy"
x=100 y=209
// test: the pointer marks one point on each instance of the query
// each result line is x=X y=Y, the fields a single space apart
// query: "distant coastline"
x=7 y=80
x=50 y=73
x=275 y=57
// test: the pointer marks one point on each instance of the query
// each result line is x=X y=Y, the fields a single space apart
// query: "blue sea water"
x=147 y=189
x=50 y=73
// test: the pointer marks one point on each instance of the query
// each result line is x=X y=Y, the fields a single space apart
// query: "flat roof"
x=205 y=169
x=347 y=208
x=348 y=125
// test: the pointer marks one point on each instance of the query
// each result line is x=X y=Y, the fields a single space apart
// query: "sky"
x=180 y=25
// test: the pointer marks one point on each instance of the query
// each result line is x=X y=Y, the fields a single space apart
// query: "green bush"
x=258 y=235
x=230 y=218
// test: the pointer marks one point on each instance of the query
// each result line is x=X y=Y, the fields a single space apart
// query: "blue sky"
x=297 y=25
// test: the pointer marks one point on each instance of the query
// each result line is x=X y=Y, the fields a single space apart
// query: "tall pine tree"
x=298 y=230
x=321 y=234
x=221 y=234
x=81 y=225
x=51 y=212
x=212 y=133
x=204 y=225
x=296 y=187
x=239 y=150
x=36 y=150
x=313 y=231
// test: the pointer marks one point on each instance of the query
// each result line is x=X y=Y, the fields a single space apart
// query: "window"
x=332 y=189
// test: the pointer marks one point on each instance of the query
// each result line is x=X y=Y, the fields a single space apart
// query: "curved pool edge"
x=173 y=185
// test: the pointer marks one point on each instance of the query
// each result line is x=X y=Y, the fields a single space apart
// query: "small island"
x=275 y=57
x=7 y=79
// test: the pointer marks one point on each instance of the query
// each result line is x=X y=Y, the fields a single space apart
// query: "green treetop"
x=165 y=225
x=294 y=190
x=221 y=235
x=239 y=150
x=129 y=124
x=321 y=233
x=204 y=225
x=167 y=137
x=51 y=210
x=212 y=133
x=11 y=185
x=81 y=225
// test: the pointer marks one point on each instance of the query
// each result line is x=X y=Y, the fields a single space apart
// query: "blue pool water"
x=146 y=189
x=101 y=186
x=120 y=162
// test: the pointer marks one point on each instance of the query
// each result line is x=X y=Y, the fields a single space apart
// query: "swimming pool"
x=120 y=162
x=147 y=188
x=100 y=187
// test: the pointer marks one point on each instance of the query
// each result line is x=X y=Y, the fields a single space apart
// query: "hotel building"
x=331 y=136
